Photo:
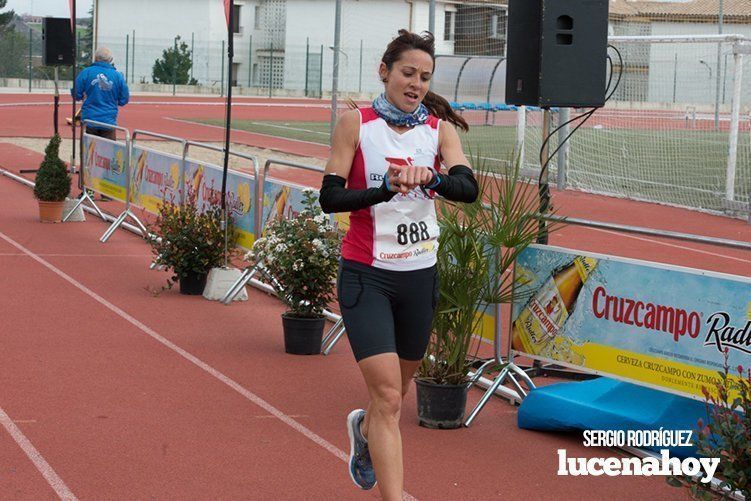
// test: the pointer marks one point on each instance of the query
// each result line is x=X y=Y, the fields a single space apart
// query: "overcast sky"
x=54 y=8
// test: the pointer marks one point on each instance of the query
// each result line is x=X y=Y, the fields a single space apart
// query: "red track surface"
x=91 y=380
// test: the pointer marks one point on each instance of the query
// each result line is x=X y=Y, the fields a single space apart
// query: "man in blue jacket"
x=105 y=89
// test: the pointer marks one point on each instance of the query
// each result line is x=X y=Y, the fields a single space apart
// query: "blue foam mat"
x=607 y=404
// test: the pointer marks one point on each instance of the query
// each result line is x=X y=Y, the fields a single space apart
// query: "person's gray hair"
x=103 y=54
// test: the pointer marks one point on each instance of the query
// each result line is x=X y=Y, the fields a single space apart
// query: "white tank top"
x=401 y=234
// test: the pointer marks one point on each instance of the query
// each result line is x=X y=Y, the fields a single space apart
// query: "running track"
x=112 y=392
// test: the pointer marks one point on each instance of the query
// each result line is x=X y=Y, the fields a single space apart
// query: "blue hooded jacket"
x=105 y=90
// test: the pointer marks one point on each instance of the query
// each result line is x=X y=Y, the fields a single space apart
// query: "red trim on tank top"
x=358 y=242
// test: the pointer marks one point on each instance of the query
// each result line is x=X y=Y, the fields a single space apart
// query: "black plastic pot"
x=193 y=284
x=302 y=336
x=441 y=406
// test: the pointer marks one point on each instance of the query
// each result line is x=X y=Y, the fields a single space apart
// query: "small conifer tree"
x=52 y=180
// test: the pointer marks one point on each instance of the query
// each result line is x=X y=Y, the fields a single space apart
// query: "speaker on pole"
x=58 y=42
x=557 y=53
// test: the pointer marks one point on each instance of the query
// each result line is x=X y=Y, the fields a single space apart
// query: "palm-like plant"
x=478 y=245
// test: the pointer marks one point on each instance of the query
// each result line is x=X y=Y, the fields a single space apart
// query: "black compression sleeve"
x=334 y=197
x=459 y=185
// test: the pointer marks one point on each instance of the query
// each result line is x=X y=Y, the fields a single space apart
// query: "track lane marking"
x=300 y=428
x=53 y=479
x=676 y=246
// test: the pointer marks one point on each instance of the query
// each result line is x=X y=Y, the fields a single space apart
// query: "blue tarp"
x=607 y=404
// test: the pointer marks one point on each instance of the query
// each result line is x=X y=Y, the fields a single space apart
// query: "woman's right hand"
x=404 y=178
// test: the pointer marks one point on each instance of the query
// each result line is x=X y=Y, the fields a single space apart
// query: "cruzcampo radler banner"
x=104 y=166
x=662 y=326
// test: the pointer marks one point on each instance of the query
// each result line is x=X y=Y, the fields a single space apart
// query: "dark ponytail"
x=425 y=42
x=441 y=108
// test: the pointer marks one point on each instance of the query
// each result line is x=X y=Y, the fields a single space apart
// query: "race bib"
x=406 y=230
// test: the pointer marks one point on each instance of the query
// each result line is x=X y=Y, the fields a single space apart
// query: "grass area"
x=684 y=167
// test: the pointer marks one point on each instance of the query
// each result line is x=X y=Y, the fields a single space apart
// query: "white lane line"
x=245 y=131
x=33 y=454
x=4 y=254
x=676 y=246
x=191 y=358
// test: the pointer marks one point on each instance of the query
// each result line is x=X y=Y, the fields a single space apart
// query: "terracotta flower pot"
x=50 y=212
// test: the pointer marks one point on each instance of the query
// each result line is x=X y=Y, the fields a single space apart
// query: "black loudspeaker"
x=58 y=42
x=557 y=52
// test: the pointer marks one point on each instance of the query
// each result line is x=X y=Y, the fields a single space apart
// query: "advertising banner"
x=155 y=177
x=203 y=186
x=662 y=326
x=284 y=200
x=104 y=169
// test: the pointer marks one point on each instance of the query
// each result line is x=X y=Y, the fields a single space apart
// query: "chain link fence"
x=667 y=134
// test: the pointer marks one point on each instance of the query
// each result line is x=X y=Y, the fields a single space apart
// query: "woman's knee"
x=387 y=402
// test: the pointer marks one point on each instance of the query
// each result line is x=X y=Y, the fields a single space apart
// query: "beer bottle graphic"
x=535 y=330
x=276 y=212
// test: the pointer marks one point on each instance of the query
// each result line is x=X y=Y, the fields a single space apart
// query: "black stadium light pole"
x=75 y=61
x=230 y=6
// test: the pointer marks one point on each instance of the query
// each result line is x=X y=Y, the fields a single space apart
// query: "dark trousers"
x=105 y=133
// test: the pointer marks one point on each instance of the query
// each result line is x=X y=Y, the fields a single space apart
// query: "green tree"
x=5 y=17
x=86 y=39
x=52 y=182
x=14 y=54
x=174 y=65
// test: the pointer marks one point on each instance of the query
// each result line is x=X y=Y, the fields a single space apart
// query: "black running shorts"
x=387 y=311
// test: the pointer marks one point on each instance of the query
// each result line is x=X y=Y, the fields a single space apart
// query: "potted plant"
x=300 y=256
x=478 y=245
x=189 y=242
x=52 y=184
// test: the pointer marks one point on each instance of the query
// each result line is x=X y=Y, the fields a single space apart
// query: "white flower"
x=308 y=190
x=317 y=244
x=280 y=247
x=320 y=218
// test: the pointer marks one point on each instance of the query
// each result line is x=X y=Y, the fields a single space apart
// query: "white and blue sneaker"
x=360 y=466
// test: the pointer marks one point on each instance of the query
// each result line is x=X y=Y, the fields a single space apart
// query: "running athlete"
x=385 y=168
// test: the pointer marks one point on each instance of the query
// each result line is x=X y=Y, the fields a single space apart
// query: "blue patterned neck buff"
x=394 y=116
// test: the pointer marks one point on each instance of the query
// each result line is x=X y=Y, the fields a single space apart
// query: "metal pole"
x=271 y=67
x=250 y=62
x=724 y=77
x=30 y=47
x=192 y=51
x=521 y=126
x=359 y=85
x=57 y=100
x=563 y=151
x=133 y=61
x=75 y=70
x=431 y=17
x=720 y=18
x=174 y=67
x=221 y=88
x=335 y=79
x=734 y=118
x=127 y=54
x=227 y=127
x=307 y=62
x=320 y=75
x=542 y=187
x=675 y=75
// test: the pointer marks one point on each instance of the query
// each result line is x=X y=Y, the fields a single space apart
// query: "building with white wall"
x=286 y=43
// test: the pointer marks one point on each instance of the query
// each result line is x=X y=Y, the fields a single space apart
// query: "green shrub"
x=52 y=180
x=191 y=241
